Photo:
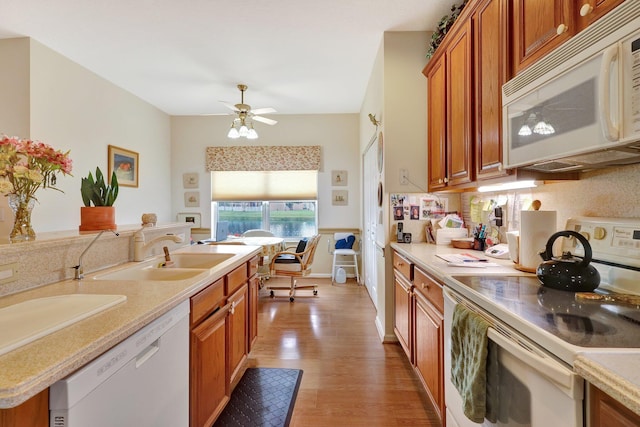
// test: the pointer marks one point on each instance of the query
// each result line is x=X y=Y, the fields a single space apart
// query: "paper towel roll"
x=535 y=229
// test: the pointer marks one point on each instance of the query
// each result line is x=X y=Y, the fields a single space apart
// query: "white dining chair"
x=344 y=254
x=256 y=232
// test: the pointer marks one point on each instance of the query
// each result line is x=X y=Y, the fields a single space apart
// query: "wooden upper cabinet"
x=537 y=27
x=437 y=126
x=589 y=11
x=489 y=73
x=459 y=151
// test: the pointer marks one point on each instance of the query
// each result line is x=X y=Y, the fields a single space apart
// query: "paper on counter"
x=472 y=264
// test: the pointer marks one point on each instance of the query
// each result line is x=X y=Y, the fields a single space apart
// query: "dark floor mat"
x=263 y=397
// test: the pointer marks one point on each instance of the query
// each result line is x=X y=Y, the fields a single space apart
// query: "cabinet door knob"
x=440 y=181
x=562 y=28
x=446 y=180
x=586 y=9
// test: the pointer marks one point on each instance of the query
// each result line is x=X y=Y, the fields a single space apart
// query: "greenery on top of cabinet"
x=443 y=27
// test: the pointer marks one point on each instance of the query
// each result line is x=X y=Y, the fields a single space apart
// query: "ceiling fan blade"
x=266 y=110
x=230 y=106
x=265 y=120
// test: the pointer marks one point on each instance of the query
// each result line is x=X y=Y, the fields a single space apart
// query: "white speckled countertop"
x=615 y=373
x=32 y=368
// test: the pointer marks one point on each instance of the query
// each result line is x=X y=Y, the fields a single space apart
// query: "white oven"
x=534 y=388
x=539 y=331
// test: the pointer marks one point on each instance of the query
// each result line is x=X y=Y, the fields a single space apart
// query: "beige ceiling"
x=184 y=56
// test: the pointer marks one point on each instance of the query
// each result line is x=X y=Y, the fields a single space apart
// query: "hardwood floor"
x=350 y=378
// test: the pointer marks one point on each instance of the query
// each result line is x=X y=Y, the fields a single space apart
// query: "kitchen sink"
x=196 y=260
x=151 y=273
x=27 y=321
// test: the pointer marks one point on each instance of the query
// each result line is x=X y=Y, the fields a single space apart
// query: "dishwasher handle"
x=147 y=353
x=564 y=378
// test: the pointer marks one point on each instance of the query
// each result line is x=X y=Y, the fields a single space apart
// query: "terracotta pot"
x=96 y=218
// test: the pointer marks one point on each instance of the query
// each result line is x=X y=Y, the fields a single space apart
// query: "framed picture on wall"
x=126 y=165
x=191 y=217
x=340 y=198
x=339 y=177
x=192 y=199
x=190 y=180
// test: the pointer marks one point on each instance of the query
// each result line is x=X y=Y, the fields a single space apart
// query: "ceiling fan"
x=243 y=124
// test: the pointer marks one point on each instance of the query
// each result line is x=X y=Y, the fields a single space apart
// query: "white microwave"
x=578 y=107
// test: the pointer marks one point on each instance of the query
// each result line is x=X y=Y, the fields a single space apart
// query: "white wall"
x=337 y=134
x=71 y=108
x=396 y=93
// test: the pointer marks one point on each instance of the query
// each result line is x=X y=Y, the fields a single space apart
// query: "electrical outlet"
x=404 y=177
x=1 y=214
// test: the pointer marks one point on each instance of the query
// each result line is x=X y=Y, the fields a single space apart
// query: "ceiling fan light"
x=243 y=131
x=233 y=133
x=252 y=134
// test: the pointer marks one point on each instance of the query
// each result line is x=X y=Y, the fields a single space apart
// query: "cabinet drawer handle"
x=586 y=9
x=562 y=28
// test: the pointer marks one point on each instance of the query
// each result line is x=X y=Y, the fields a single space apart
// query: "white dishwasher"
x=141 y=382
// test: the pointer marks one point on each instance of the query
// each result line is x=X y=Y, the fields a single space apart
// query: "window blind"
x=264 y=185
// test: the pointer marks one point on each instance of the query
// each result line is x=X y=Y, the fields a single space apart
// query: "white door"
x=371 y=213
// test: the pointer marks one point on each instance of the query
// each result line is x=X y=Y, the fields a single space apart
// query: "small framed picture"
x=125 y=164
x=340 y=198
x=193 y=218
x=192 y=199
x=190 y=180
x=339 y=178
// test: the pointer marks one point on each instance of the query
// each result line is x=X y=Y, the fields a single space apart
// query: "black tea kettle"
x=568 y=272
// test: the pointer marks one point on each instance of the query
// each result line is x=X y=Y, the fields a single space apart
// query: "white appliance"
x=579 y=106
x=142 y=382
x=535 y=389
x=540 y=331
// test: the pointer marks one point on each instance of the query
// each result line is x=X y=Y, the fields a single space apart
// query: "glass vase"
x=21 y=205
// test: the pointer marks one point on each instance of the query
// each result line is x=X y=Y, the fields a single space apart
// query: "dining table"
x=271 y=245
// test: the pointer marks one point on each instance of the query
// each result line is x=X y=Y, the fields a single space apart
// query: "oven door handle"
x=566 y=379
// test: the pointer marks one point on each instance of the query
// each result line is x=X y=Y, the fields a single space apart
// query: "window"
x=288 y=219
x=284 y=202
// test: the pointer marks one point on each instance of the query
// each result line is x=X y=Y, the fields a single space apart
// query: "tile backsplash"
x=611 y=192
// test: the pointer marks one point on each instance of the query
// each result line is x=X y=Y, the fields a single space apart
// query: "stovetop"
x=582 y=323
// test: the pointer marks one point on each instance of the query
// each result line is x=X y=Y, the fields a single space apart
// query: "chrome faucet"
x=140 y=247
x=79 y=273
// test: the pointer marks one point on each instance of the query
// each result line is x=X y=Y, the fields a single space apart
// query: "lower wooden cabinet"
x=223 y=327
x=605 y=411
x=419 y=326
x=428 y=353
x=237 y=333
x=32 y=413
x=209 y=387
x=254 y=290
x=403 y=314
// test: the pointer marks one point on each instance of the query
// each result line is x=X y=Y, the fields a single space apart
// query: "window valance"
x=261 y=158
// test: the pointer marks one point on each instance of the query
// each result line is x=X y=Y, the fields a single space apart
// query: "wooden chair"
x=294 y=264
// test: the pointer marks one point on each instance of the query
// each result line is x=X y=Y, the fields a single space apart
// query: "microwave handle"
x=608 y=127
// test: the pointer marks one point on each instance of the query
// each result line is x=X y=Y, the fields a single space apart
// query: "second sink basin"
x=198 y=260
x=150 y=273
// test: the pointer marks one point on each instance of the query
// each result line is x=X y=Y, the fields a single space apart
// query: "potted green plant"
x=98 y=212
